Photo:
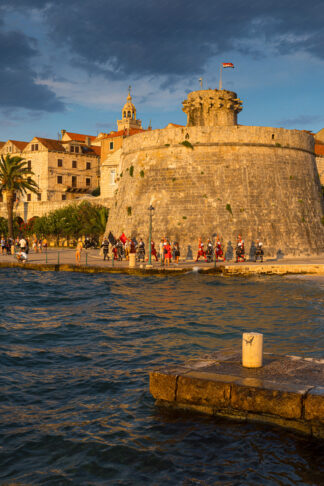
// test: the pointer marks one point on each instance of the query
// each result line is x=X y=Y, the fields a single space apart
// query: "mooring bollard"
x=132 y=260
x=252 y=349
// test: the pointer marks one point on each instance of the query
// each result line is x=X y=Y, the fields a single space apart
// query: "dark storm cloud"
x=175 y=37
x=18 y=88
x=171 y=37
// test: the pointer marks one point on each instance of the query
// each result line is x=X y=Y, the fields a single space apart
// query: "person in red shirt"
x=168 y=254
x=218 y=250
x=153 y=250
x=201 y=251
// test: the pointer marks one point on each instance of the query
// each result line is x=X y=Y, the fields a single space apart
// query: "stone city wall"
x=260 y=182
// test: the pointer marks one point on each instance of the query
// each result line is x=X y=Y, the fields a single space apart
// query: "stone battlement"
x=229 y=135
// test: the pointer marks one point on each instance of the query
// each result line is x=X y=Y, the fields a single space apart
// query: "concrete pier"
x=287 y=391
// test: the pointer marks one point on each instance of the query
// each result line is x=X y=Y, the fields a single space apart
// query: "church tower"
x=128 y=116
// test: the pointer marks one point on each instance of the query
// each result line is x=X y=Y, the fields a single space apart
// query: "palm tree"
x=15 y=178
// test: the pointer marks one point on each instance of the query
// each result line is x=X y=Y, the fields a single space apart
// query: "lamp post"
x=151 y=209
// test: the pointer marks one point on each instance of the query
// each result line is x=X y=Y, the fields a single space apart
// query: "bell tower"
x=129 y=115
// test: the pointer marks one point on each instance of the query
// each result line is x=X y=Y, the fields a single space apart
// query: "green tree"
x=15 y=178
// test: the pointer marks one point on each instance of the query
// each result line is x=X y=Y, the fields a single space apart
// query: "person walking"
x=258 y=251
x=153 y=251
x=105 y=248
x=78 y=251
x=201 y=251
x=218 y=249
x=168 y=253
x=161 y=250
x=176 y=252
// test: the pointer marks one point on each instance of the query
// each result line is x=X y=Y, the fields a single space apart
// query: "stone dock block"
x=283 y=401
x=286 y=391
x=198 y=391
x=314 y=404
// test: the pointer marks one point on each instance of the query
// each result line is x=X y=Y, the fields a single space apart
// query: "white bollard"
x=132 y=260
x=252 y=349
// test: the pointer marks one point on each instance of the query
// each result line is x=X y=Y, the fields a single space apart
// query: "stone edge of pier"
x=189 y=387
x=244 y=270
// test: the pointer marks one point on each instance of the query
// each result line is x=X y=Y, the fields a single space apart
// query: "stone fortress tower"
x=216 y=177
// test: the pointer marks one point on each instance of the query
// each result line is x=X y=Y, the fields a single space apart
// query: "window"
x=72 y=148
x=29 y=165
x=59 y=163
x=74 y=181
x=129 y=114
x=63 y=197
x=76 y=150
x=28 y=197
x=39 y=197
x=88 y=165
x=113 y=176
x=34 y=147
x=74 y=164
x=111 y=146
x=59 y=179
x=273 y=136
x=88 y=181
x=124 y=114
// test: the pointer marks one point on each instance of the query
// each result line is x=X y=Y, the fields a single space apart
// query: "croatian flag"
x=228 y=64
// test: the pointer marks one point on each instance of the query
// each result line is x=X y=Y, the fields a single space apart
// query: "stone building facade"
x=216 y=177
x=63 y=169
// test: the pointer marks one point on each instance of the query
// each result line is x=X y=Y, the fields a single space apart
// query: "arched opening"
x=129 y=114
x=124 y=114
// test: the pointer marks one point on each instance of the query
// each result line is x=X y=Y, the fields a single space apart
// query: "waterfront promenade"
x=92 y=262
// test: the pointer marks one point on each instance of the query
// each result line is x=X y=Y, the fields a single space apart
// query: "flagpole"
x=220 y=76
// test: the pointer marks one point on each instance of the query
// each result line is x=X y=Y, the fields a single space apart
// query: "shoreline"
x=63 y=263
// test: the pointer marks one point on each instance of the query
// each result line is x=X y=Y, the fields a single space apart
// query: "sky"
x=68 y=64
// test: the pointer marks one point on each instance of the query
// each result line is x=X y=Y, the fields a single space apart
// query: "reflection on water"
x=75 y=351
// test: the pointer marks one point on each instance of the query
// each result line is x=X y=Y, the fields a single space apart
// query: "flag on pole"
x=228 y=64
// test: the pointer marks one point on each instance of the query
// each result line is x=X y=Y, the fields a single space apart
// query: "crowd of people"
x=170 y=251
x=122 y=247
x=20 y=246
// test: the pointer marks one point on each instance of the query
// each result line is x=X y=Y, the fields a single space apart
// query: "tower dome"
x=129 y=115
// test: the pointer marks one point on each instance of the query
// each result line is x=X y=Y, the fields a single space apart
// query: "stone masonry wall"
x=257 y=181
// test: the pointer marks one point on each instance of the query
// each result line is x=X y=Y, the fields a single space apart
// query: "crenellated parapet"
x=212 y=108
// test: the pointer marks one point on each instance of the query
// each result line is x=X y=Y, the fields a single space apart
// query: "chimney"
x=88 y=141
x=62 y=133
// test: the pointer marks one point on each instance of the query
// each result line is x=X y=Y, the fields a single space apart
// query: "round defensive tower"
x=216 y=177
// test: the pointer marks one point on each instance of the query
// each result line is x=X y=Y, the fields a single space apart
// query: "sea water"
x=75 y=354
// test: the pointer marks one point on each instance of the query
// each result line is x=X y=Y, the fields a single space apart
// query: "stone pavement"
x=91 y=259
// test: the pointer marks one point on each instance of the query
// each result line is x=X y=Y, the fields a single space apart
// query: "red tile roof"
x=126 y=133
x=19 y=144
x=319 y=148
x=79 y=137
x=50 y=144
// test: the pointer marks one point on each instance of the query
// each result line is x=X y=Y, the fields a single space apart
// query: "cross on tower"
x=129 y=89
